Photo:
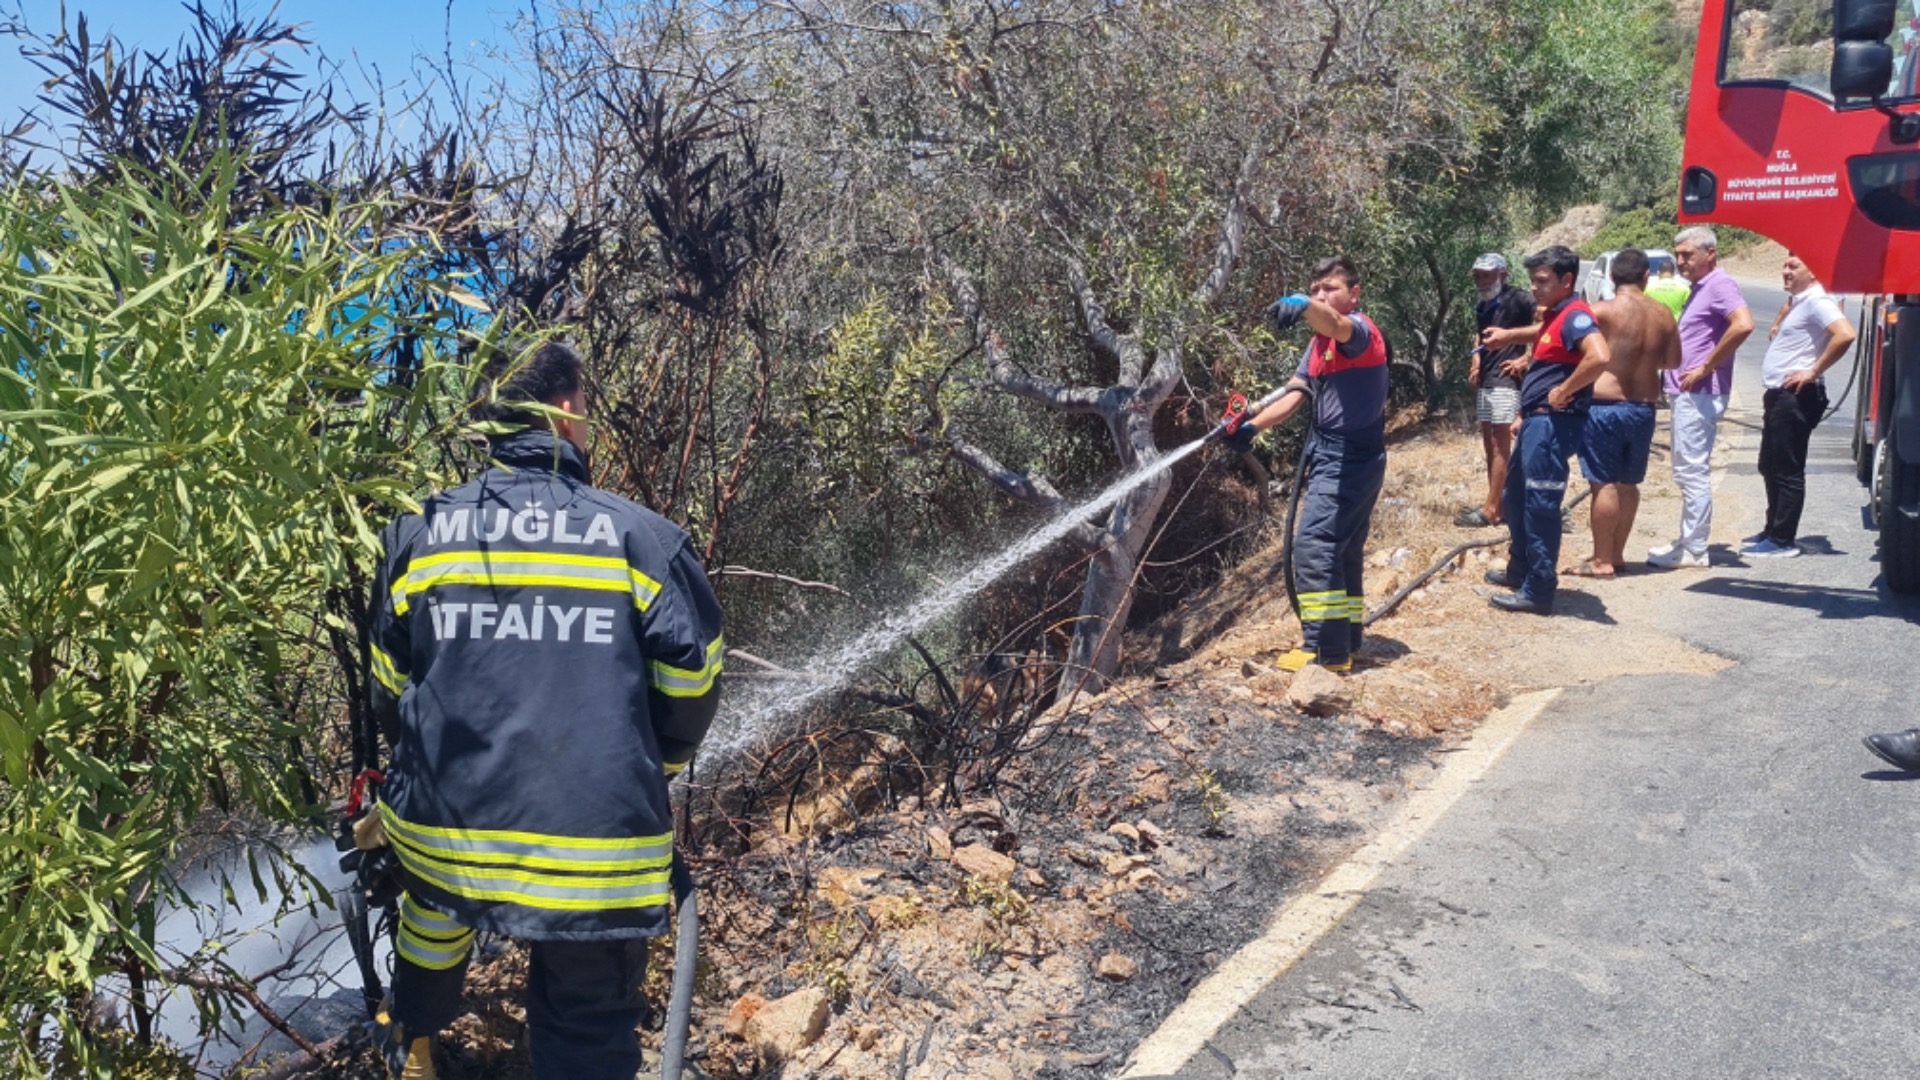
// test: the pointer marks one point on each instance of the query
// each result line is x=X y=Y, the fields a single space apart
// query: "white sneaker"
x=1767 y=549
x=1664 y=551
x=1675 y=557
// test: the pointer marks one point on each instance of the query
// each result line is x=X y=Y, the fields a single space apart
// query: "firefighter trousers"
x=1329 y=548
x=584 y=1002
x=1536 y=487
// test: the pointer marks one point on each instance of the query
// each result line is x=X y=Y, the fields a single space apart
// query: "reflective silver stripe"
x=425 y=919
x=645 y=589
x=679 y=682
x=1323 y=606
x=432 y=955
x=429 y=939
x=1547 y=485
x=477 y=568
x=384 y=671
x=546 y=891
x=532 y=850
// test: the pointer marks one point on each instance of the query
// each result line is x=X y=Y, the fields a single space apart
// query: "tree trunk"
x=1107 y=598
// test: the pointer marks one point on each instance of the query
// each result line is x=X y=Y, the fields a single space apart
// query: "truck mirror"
x=1861 y=69
x=1863 y=20
x=1862 y=59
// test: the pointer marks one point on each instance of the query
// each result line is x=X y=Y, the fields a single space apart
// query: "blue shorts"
x=1619 y=437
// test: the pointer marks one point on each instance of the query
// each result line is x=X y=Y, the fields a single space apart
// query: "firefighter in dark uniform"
x=1569 y=354
x=1346 y=373
x=545 y=656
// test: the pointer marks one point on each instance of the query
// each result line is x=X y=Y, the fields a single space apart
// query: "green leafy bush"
x=197 y=449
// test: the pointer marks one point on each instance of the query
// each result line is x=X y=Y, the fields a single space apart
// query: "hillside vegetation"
x=865 y=290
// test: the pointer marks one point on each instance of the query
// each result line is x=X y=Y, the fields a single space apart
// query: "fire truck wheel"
x=1899 y=534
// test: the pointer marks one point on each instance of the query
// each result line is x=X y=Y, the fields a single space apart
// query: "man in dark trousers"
x=1808 y=337
x=1568 y=355
x=545 y=655
x=1346 y=372
x=1495 y=377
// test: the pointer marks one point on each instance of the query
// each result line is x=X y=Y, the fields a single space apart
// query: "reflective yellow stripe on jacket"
x=384 y=671
x=602 y=573
x=514 y=867
x=430 y=939
x=679 y=682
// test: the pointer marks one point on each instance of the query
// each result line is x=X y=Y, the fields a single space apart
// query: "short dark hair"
x=1564 y=261
x=1335 y=266
x=515 y=375
x=1629 y=267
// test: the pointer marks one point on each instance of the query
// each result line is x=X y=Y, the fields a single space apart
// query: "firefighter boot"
x=406 y=1059
x=1295 y=659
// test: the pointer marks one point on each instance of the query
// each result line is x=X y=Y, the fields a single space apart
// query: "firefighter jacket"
x=544 y=655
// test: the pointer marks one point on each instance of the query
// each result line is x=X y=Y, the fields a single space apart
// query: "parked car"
x=1598 y=285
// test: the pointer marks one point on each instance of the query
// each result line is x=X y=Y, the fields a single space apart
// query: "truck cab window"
x=1791 y=42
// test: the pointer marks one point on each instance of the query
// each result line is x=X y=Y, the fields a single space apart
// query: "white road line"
x=1294 y=929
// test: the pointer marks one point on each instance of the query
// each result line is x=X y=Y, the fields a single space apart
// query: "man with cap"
x=1495 y=374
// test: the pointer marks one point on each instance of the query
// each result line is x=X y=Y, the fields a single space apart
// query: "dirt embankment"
x=1042 y=928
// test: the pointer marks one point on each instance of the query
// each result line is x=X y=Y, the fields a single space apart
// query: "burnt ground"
x=1141 y=837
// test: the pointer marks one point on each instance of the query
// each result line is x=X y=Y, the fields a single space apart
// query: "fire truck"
x=1819 y=149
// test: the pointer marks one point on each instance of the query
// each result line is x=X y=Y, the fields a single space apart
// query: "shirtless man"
x=1644 y=340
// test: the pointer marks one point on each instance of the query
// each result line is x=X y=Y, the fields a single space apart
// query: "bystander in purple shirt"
x=1703 y=322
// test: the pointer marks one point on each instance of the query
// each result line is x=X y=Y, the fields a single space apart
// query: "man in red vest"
x=1346 y=372
x=1569 y=354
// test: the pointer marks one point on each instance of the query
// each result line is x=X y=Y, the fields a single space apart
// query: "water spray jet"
x=775 y=699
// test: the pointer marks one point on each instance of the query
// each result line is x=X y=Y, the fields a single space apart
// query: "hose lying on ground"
x=1406 y=590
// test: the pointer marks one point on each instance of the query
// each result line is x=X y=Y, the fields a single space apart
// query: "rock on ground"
x=985 y=863
x=743 y=1011
x=1319 y=692
x=1116 y=968
x=783 y=1028
x=939 y=844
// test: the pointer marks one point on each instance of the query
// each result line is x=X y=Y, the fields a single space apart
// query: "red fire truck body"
x=1837 y=181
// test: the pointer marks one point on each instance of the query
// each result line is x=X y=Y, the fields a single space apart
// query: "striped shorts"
x=1497 y=405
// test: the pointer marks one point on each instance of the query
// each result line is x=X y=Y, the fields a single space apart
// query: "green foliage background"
x=197 y=451
x=204 y=417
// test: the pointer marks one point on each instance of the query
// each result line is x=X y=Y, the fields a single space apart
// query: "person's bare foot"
x=1592 y=569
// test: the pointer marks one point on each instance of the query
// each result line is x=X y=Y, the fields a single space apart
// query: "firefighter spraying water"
x=1345 y=460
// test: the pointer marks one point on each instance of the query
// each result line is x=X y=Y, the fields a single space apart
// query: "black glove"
x=1240 y=439
x=1285 y=313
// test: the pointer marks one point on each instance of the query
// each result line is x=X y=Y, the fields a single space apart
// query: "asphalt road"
x=1666 y=875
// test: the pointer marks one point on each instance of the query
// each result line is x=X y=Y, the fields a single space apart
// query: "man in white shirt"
x=1809 y=336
